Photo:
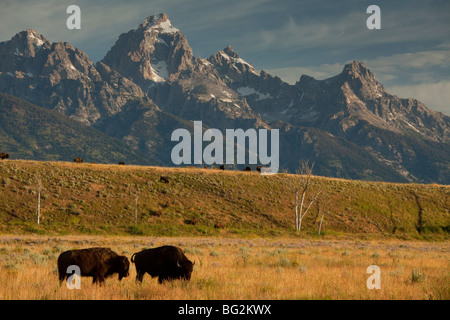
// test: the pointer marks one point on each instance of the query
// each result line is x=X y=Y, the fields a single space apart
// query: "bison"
x=164 y=179
x=166 y=263
x=98 y=263
x=247 y=169
x=78 y=160
x=222 y=167
x=121 y=163
x=4 y=155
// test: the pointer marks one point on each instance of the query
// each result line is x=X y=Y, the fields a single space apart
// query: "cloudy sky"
x=409 y=55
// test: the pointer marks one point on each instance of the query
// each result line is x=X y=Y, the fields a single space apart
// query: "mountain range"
x=150 y=83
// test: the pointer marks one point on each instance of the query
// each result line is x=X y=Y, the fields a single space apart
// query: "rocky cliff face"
x=61 y=77
x=149 y=84
x=152 y=53
x=158 y=57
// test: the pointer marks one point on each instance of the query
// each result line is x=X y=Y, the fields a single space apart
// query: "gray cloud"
x=434 y=95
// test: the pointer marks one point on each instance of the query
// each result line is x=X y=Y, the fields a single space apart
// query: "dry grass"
x=226 y=268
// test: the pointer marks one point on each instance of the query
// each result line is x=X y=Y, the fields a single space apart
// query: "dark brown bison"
x=166 y=262
x=122 y=163
x=98 y=263
x=218 y=225
x=78 y=160
x=247 y=169
x=192 y=221
x=258 y=168
x=164 y=179
x=4 y=155
x=222 y=167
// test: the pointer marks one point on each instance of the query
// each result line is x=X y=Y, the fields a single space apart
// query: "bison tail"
x=132 y=257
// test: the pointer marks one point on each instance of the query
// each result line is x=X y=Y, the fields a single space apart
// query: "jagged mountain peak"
x=230 y=63
x=158 y=23
x=30 y=34
x=228 y=50
x=231 y=56
x=357 y=69
x=152 y=53
x=155 y=18
x=26 y=43
x=357 y=78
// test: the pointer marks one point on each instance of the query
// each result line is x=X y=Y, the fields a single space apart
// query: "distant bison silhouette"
x=258 y=168
x=218 y=225
x=192 y=221
x=78 y=160
x=247 y=169
x=98 y=263
x=222 y=167
x=164 y=179
x=4 y=155
x=122 y=163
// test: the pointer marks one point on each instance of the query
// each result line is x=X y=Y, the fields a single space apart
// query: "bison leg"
x=61 y=275
x=61 y=278
x=140 y=276
x=98 y=278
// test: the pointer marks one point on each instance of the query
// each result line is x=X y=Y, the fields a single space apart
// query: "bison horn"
x=193 y=263
x=178 y=264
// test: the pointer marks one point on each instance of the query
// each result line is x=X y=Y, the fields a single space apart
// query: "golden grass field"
x=237 y=269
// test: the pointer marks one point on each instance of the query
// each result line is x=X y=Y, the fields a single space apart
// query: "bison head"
x=123 y=267
x=185 y=268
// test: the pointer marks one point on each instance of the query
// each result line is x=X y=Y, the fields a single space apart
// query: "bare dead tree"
x=135 y=209
x=419 y=225
x=322 y=209
x=305 y=172
x=38 y=206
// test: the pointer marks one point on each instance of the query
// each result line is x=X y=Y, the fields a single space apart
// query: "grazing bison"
x=247 y=169
x=4 y=155
x=98 y=263
x=218 y=225
x=222 y=167
x=122 y=163
x=258 y=168
x=78 y=160
x=166 y=263
x=192 y=221
x=164 y=179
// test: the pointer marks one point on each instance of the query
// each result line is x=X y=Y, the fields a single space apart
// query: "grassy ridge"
x=99 y=199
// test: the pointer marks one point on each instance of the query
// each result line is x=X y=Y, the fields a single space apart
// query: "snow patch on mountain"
x=159 y=69
x=37 y=41
x=409 y=124
x=247 y=91
x=237 y=61
x=159 y=40
x=163 y=27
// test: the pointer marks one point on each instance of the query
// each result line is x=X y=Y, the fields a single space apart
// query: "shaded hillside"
x=31 y=132
x=99 y=199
